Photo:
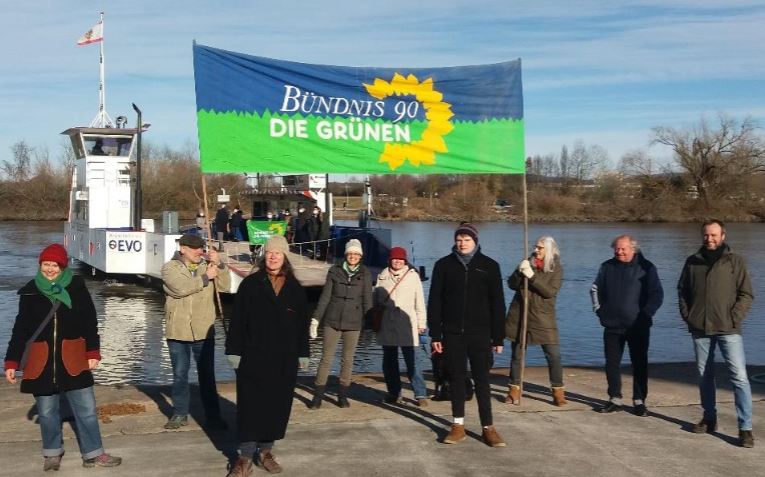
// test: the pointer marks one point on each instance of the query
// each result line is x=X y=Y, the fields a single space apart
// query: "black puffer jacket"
x=467 y=301
x=58 y=360
x=345 y=300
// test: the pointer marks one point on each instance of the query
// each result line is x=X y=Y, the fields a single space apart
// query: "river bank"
x=374 y=439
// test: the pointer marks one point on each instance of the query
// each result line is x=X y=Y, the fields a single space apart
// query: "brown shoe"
x=456 y=434
x=513 y=394
x=268 y=462
x=491 y=437
x=242 y=468
x=559 y=396
x=705 y=425
x=422 y=402
x=745 y=439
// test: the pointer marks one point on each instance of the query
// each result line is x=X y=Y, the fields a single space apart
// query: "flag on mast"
x=94 y=35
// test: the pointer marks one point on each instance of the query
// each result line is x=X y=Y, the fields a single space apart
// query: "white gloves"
x=313 y=330
x=233 y=360
x=303 y=362
x=525 y=268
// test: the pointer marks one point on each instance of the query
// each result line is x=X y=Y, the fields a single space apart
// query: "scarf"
x=351 y=271
x=712 y=256
x=55 y=289
x=464 y=258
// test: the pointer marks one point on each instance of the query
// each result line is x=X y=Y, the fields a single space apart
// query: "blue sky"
x=601 y=72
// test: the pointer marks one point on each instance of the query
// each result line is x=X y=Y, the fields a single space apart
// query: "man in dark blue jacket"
x=626 y=294
x=466 y=317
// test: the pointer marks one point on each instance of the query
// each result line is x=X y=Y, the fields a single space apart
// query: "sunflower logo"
x=437 y=114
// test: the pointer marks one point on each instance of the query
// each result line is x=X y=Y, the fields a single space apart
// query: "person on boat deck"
x=302 y=236
x=189 y=319
x=235 y=225
x=544 y=273
x=267 y=342
x=318 y=230
x=201 y=224
x=345 y=299
x=61 y=357
x=399 y=290
x=221 y=223
x=98 y=148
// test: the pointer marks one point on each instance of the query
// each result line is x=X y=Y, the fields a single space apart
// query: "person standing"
x=715 y=294
x=544 y=273
x=466 y=315
x=399 y=290
x=625 y=296
x=189 y=326
x=267 y=342
x=221 y=223
x=345 y=299
x=61 y=357
x=235 y=225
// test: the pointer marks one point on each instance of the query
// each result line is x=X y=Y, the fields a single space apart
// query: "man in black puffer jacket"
x=626 y=294
x=466 y=317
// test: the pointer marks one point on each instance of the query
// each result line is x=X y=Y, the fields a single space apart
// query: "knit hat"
x=54 y=253
x=397 y=253
x=353 y=245
x=277 y=243
x=466 y=228
x=191 y=241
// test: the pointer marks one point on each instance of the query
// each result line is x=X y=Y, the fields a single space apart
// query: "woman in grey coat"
x=345 y=299
x=545 y=274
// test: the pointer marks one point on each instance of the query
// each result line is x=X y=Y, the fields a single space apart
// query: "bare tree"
x=586 y=160
x=19 y=168
x=716 y=158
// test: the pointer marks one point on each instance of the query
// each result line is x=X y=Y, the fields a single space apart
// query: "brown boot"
x=268 y=462
x=491 y=437
x=456 y=434
x=242 y=468
x=513 y=394
x=559 y=396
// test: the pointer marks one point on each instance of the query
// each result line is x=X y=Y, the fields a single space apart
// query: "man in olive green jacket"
x=189 y=318
x=715 y=294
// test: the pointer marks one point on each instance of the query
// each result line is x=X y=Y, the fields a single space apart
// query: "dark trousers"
x=613 y=343
x=478 y=351
x=552 y=354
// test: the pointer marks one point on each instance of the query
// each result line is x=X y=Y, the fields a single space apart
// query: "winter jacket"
x=467 y=301
x=189 y=299
x=270 y=333
x=58 y=359
x=404 y=311
x=543 y=291
x=344 y=301
x=627 y=295
x=715 y=301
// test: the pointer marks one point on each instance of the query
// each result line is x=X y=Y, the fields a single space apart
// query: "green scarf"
x=56 y=290
x=351 y=271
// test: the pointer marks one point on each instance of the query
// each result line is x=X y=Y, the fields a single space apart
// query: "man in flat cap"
x=189 y=318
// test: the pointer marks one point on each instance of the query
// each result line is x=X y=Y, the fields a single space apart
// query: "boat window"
x=108 y=146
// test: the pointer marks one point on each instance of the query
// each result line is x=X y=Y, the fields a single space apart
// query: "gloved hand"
x=525 y=268
x=313 y=330
x=233 y=360
x=303 y=362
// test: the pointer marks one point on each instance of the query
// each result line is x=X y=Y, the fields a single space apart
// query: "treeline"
x=717 y=168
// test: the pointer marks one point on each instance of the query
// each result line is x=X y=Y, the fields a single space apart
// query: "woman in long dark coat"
x=267 y=341
x=545 y=274
x=60 y=358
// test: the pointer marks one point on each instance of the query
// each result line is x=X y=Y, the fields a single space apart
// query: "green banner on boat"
x=259 y=230
x=263 y=115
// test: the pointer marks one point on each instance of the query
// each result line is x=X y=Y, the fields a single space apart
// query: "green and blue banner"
x=263 y=115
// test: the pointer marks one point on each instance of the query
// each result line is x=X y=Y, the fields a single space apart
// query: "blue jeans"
x=180 y=358
x=732 y=349
x=83 y=404
x=393 y=374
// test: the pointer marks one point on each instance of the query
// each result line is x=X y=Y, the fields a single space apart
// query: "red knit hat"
x=397 y=253
x=54 y=253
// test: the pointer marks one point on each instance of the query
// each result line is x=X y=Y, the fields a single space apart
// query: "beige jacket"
x=189 y=305
x=405 y=312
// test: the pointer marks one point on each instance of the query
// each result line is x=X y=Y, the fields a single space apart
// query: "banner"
x=263 y=115
x=258 y=231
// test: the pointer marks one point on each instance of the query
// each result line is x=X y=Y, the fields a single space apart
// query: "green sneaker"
x=176 y=422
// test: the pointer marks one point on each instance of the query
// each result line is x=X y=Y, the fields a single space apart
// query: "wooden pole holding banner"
x=210 y=243
x=525 y=314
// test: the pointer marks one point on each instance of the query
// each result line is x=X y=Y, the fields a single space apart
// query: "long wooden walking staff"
x=525 y=315
x=210 y=244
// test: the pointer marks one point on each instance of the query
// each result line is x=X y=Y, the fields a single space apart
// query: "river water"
x=130 y=315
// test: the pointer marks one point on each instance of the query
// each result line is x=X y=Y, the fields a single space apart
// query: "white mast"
x=102 y=119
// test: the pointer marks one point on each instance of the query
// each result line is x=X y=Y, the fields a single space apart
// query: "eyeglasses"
x=538 y=247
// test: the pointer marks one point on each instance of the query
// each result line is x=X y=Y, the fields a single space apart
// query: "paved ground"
x=372 y=439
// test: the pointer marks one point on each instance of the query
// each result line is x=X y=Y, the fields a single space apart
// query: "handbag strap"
x=394 y=287
x=45 y=321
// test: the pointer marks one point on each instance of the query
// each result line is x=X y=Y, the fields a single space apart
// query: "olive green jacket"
x=543 y=290
x=189 y=304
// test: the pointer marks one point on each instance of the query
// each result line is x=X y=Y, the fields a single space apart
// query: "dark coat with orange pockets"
x=58 y=359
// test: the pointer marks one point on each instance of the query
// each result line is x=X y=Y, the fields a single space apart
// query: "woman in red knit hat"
x=57 y=314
